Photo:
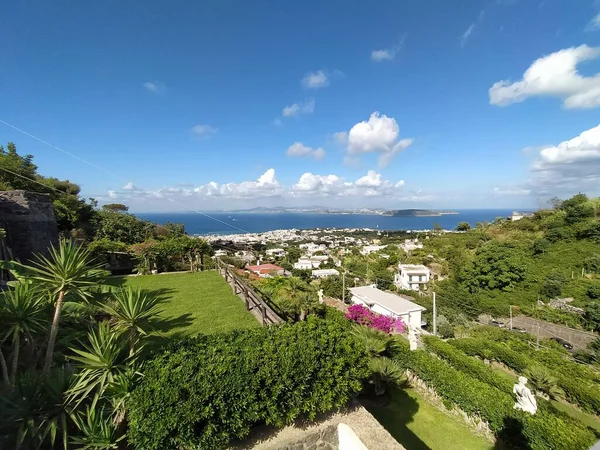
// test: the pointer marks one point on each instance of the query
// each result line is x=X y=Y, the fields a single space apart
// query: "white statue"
x=525 y=399
x=320 y=295
x=412 y=338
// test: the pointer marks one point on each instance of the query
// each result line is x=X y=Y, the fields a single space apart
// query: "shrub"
x=553 y=285
x=459 y=360
x=499 y=352
x=546 y=429
x=593 y=292
x=206 y=391
x=364 y=316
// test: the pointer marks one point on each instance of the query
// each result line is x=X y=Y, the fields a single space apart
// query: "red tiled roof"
x=265 y=268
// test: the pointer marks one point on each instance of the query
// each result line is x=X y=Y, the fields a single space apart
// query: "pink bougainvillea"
x=364 y=316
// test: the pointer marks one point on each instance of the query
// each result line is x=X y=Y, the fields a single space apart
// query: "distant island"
x=337 y=211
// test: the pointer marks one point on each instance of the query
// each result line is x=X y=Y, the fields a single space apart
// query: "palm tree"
x=133 y=311
x=68 y=270
x=543 y=383
x=22 y=313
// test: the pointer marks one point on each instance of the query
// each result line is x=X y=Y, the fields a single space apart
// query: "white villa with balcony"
x=412 y=277
x=388 y=304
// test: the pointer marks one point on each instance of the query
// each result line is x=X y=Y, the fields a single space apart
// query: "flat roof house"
x=324 y=273
x=388 y=304
x=412 y=277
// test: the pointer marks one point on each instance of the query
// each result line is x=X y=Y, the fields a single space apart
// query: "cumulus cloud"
x=129 y=187
x=380 y=134
x=370 y=185
x=315 y=80
x=569 y=167
x=306 y=107
x=554 y=75
x=299 y=149
x=203 y=130
x=154 y=87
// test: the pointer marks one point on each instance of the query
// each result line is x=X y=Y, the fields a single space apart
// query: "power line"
x=112 y=174
x=32 y=180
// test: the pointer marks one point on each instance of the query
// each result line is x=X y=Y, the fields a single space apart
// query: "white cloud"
x=154 y=87
x=594 y=24
x=203 y=130
x=299 y=149
x=380 y=134
x=306 y=107
x=554 y=75
x=265 y=186
x=370 y=185
x=112 y=194
x=511 y=191
x=315 y=80
x=383 y=55
x=129 y=187
x=569 y=167
x=388 y=54
x=467 y=34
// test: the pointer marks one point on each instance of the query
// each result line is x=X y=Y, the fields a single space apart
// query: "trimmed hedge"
x=575 y=379
x=204 y=392
x=540 y=432
x=467 y=364
x=485 y=348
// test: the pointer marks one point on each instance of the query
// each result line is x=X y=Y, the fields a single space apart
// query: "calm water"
x=230 y=223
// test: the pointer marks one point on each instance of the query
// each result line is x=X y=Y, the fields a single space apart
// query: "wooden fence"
x=254 y=303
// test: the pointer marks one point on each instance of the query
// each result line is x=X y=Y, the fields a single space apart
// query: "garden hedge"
x=467 y=364
x=576 y=380
x=515 y=428
x=205 y=392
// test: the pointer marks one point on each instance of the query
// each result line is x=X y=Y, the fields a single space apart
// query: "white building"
x=311 y=247
x=220 y=252
x=319 y=258
x=388 y=304
x=324 y=273
x=276 y=252
x=410 y=245
x=303 y=264
x=368 y=249
x=412 y=276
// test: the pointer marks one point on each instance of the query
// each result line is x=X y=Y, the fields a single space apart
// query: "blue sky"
x=220 y=104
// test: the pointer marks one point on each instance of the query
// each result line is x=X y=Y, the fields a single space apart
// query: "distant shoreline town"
x=363 y=211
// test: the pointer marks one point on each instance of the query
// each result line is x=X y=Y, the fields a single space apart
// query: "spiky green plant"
x=134 y=312
x=376 y=342
x=68 y=270
x=98 y=432
x=542 y=382
x=384 y=372
x=22 y=314
x=100 y=361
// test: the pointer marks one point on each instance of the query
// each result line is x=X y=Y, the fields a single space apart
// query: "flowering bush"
x=364 y=316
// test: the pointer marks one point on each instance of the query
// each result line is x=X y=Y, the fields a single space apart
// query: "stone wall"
x=29 y=222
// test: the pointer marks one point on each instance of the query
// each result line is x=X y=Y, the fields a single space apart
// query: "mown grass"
x=418 y=425
x=194 y=303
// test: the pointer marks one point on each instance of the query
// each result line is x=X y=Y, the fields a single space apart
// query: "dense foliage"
x=547 y=429
x=204 y=392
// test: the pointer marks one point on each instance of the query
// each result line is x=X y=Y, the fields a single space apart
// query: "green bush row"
x=514 y=428
x=492 y=350
x=573 y=378
x=467 y=364
x=207 y=391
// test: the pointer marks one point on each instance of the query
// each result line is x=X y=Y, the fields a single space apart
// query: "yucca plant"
x=376 y=342
x=98 y=432
x=22 y=314
x=101 y=360
x=134 y=313
x=68 y=270
x=384 y=372
x=543 y=383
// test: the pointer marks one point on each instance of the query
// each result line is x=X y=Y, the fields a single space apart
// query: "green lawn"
x=195 y=303
x=418 y=425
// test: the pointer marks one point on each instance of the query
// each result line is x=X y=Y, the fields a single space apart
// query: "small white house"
x=220 y=252
x=324 y=273
x=388 y=304
x=303 y=264
x=368 y=249
x=276 y=252
x=412 y=277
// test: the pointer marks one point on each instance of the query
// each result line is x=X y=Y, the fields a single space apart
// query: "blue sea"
x=232 y=223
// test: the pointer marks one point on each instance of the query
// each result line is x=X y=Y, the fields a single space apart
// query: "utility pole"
x=510 y=317
x=434 y=317
x=344 y=286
